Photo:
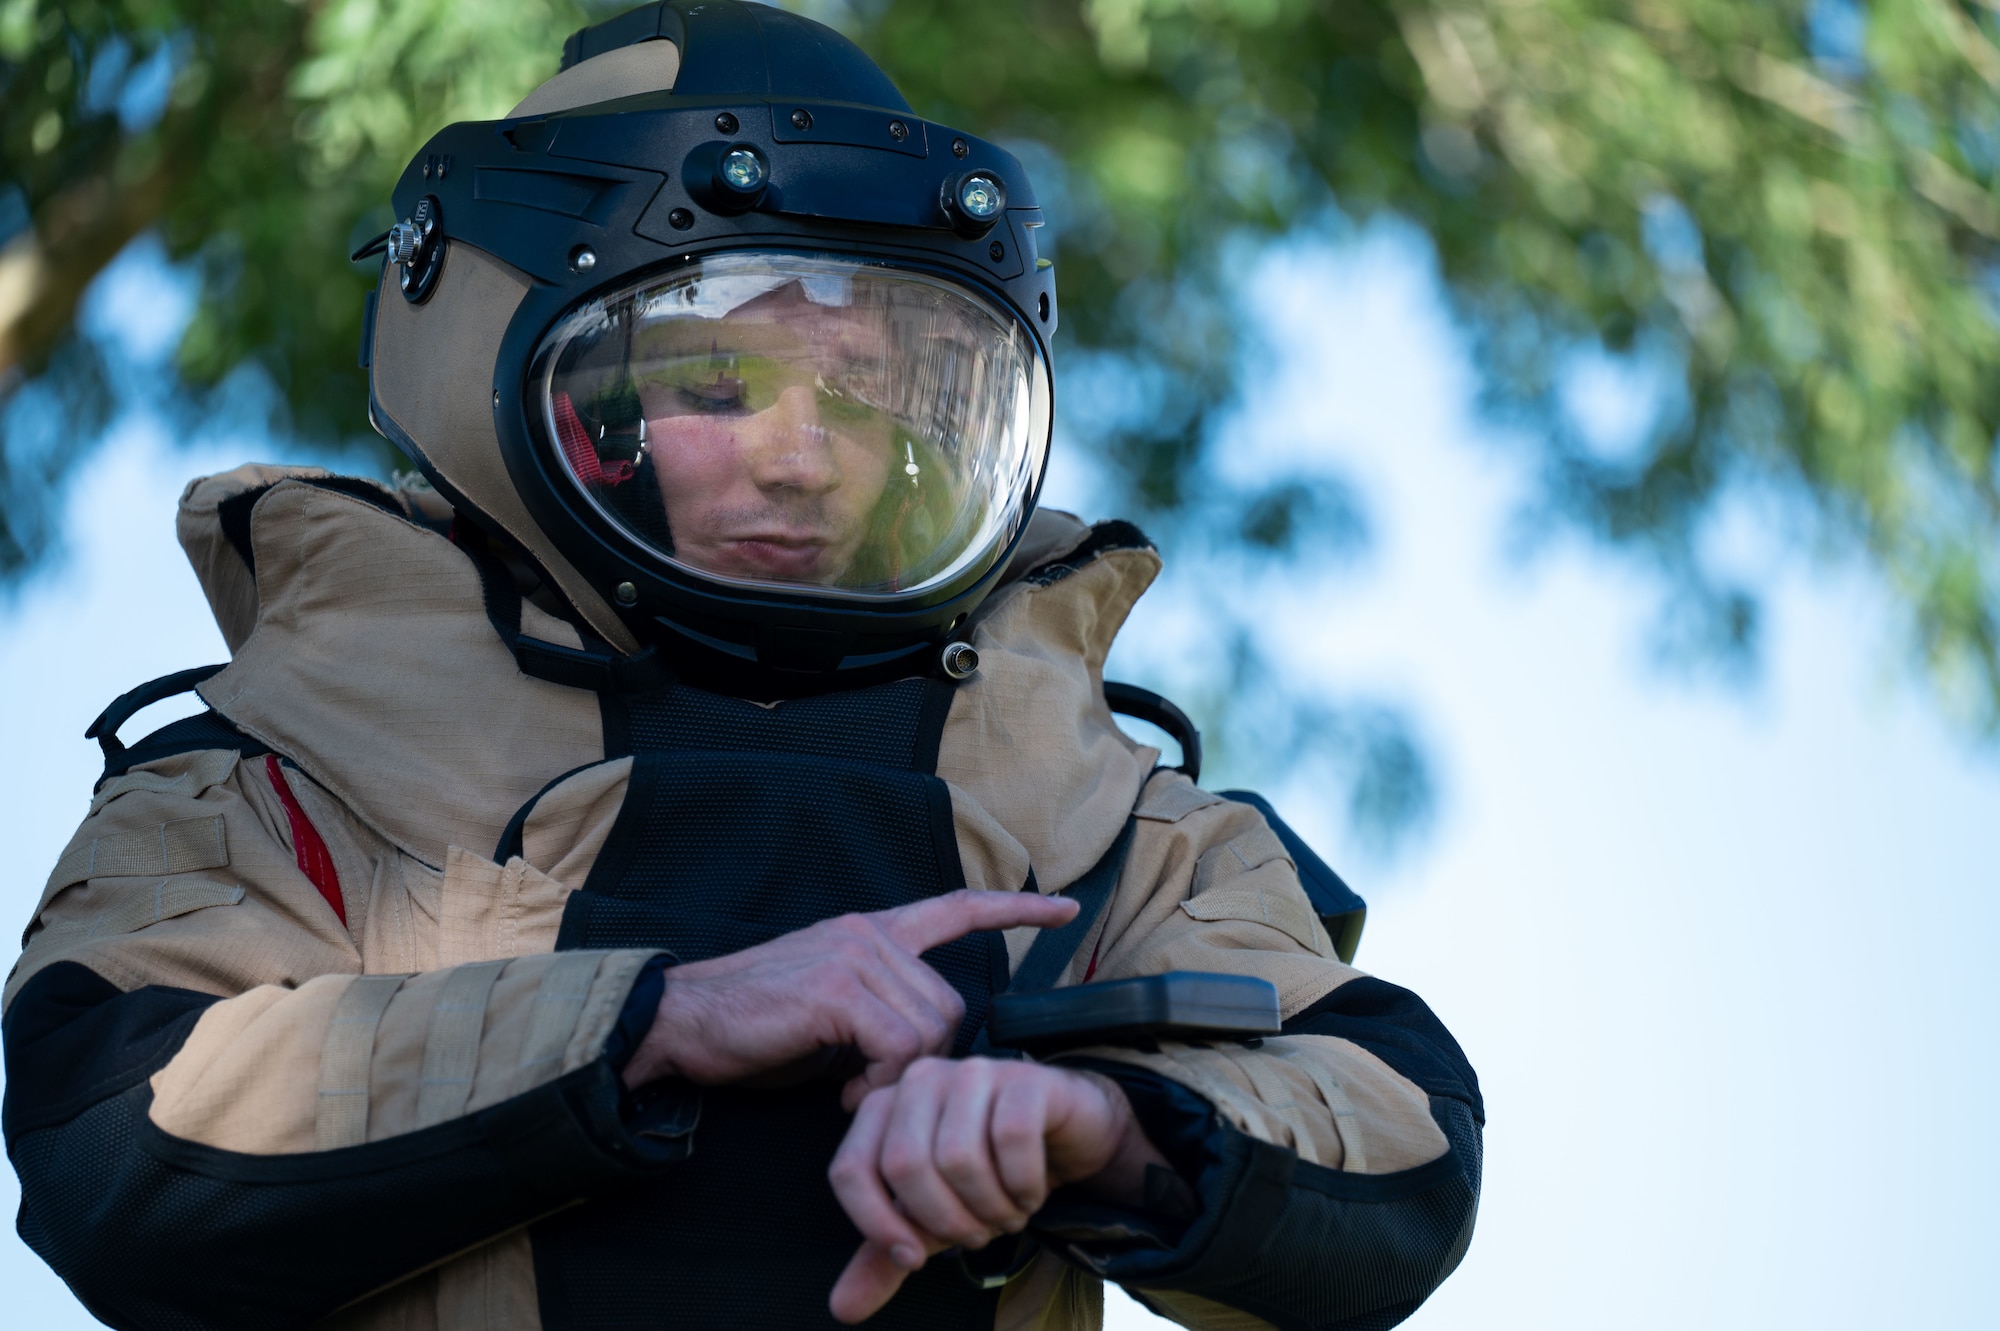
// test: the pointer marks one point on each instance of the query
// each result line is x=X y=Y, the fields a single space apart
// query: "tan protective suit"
x=404 y=738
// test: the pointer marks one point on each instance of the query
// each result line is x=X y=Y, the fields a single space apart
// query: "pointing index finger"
x=923 y=925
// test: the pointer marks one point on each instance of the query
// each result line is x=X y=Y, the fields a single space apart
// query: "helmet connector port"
x=959 y=660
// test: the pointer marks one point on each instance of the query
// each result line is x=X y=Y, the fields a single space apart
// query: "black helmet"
x=749 y=360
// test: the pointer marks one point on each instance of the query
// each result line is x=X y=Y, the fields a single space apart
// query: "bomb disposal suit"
x=583 y=902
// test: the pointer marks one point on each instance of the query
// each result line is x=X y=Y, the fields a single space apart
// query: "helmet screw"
x=583 y=258
x=959 y=660
x=802 y=119
x=626 y=593
x=898 y=130
x=496 y=397
x=960 y=148
x=680 y=219
x=725 y=123
x=996 y=251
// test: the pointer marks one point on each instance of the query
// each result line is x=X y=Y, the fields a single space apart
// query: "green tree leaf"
x=1789 y=206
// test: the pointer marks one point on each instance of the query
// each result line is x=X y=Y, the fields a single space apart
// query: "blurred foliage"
x=258 y=140
x=1789 y=209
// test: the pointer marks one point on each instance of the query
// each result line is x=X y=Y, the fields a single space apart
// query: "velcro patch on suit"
x=553 y=1017
x=1171 y=801
x=451 y=1044
x=1226 y=887
x=209 y=767
x=181 y=846
x=1232 y=859
x=137 y=908
x=341 y=1117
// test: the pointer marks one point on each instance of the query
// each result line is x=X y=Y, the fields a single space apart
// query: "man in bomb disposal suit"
x=588 y=900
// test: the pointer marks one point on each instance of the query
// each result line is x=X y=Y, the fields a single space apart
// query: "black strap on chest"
x=1053 y=949
x=1051 y=952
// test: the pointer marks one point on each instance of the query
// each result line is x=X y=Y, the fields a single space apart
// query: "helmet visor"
x=801 y=421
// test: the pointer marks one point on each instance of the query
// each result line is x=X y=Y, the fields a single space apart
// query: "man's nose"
x=792 y=449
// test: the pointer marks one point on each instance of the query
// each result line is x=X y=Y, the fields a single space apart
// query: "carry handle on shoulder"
x=1339 y=908
x=126 y=705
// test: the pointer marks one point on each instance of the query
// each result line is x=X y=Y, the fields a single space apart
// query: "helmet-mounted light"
x=975 y=201
x=741 y=171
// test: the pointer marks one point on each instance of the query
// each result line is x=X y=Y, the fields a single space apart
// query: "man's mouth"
x=777 y=554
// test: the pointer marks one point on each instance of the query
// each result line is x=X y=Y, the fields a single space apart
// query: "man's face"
x=766 y=438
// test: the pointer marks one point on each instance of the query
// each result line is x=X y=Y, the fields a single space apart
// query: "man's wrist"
x=1122 y=1179
x=625 y=1046
x=654 y=1057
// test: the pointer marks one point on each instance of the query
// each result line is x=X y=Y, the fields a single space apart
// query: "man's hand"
x=856 y=980
x=961 y=1151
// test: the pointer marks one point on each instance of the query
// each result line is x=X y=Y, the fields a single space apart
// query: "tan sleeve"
x=183 y=876
x=348 y=1059
x=1209 y=887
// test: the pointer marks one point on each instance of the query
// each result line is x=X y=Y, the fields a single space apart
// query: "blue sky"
x=1721 y=957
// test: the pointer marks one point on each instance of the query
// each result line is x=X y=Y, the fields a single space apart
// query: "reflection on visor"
x=802 y=421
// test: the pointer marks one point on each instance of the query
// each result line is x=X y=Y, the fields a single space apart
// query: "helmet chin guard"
x=775 y=395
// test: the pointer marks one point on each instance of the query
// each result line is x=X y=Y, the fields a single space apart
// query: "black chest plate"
x=742 y=823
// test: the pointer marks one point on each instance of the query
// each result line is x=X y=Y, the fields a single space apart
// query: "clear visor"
x=801 y=421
